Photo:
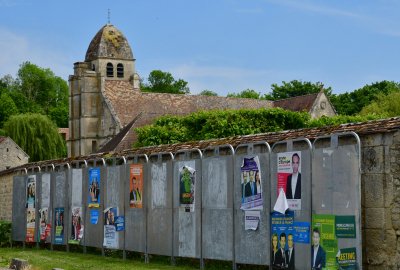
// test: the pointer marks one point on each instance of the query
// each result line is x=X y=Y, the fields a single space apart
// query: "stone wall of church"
x=381 y=200
x=322 y=107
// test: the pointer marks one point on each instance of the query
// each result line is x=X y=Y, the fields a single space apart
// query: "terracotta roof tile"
x=297 y=104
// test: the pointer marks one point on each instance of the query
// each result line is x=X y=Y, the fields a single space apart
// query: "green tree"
x=247 y=93
x=353 y=102
x=37 y=135
x=384 y=105
x=7 y=108
x=208 y=93
x=163 y=82
x=295 y=88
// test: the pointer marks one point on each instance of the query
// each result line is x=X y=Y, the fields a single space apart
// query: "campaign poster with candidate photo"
x=44 y=225
x=251 y=186
x=289 y=178
x=31 y=191
x=110 y=239
x=136 y=186
x=282 y=240
x=30 y=225
x=187 y=184
x=59 y=225
x=94 y=187
x=30 y=208
x=76 y=233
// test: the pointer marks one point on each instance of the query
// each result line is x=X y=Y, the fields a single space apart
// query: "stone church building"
x=106 y=104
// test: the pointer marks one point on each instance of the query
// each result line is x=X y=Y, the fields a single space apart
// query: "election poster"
x=44 y=225
x=110 y=239
x=59 y=225
x=282 y=240
x=187 y=184
x=251 y=186
x=76 y=233
x=30 y=208
x=289 y=178
x=94 y=187
x=136 y=186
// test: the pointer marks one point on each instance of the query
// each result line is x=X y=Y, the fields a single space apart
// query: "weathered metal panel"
x=217 y=202
x=159 y=219
x=336 y=183
x=303 y=148
x=187 y=217
x=252 y=246
x=19 y=208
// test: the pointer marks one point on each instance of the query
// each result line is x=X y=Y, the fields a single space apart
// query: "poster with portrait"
x=30 y=225
x=289 y=178
x=326 y=234
x=251 y=186
x=76 y=233
x=31 y=192
x=110 y=239
x=94 y=188
x=187 y=184
x=282 y=240
x=59 y=225
x=136 y=186
x=44 y=225
x=30 y=208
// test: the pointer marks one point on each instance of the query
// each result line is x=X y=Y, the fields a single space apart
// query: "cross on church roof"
x=109 y=15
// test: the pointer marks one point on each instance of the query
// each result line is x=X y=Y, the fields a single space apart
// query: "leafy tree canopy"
x=7 y=107
x=163 y=82
x=295 y=88
x=353 y=102
x=384 y=105
x=208 y=93
x=38 y=90
x=37 y=135
x=247 y=93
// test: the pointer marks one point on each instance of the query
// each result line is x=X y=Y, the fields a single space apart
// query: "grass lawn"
x=41 y=259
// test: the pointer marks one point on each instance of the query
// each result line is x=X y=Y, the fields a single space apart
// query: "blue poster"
x=94 y=187
x=282 y=240
x=94 y=216
x=59 y=226
x=120 y=223
x=301 y=232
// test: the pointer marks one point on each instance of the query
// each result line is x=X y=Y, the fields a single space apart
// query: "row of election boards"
x=255 y=204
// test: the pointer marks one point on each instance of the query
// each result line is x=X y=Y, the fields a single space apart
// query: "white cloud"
x=17 y=49
x=224 y=80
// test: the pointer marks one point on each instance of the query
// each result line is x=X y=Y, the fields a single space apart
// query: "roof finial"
x=109 y=15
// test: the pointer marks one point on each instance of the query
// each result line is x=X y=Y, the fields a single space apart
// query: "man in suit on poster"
x=290 y=253
x=318 y=255
x=293 y=182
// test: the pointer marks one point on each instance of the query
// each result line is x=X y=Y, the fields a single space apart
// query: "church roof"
x=109 y=42
x=297 y=104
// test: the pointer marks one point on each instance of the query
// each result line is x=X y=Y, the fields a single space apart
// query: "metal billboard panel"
x=283 y=164
x=45 y=213
x=60 y=207
x=135 y=214
x=77 y=211
x=159 y=218
x=114 y=198
x=336 y=190
x=94 y=216
x=187 y=209
x=217 y=202
x=252 y=246
x=19 y=208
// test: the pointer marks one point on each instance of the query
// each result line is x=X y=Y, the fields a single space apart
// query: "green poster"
x=347 y=258
x=345 y=226
x=324 y=236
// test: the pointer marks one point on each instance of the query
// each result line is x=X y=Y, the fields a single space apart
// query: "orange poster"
x=136 y=185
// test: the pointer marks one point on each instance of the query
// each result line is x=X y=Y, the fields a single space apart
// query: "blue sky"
x=221 y=45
